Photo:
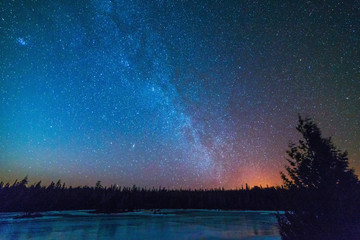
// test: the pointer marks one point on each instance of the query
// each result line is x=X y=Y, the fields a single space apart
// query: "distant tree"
x=38 y=185
x=51 y=186
x=324 y=189
x=24 y=182
x=98 y=185
x=58 y=184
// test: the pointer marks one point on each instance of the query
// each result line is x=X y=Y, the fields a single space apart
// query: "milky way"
x=172 y=93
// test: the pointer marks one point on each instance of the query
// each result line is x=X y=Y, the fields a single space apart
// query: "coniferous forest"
x=20 y=196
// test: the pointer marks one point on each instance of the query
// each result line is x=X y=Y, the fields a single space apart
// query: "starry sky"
x=173 y=93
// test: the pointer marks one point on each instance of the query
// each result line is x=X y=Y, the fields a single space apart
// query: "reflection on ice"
x=166 y=224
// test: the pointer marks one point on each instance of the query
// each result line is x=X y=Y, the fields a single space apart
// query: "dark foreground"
x=168 y=224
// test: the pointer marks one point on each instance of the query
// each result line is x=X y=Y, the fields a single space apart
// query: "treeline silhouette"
x=22 y=197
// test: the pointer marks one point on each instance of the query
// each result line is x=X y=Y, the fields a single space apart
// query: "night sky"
x=174 y=93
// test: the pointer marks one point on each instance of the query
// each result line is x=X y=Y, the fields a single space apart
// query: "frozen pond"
x=171 y=224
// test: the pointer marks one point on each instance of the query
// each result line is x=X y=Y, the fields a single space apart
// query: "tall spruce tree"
x=324 y=190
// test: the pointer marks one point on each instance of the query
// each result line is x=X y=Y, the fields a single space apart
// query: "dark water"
x=171 y=224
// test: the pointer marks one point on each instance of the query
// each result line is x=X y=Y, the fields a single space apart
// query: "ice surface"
x=167 y=224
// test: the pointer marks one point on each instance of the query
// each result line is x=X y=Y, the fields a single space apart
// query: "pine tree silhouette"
x=324 y=189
